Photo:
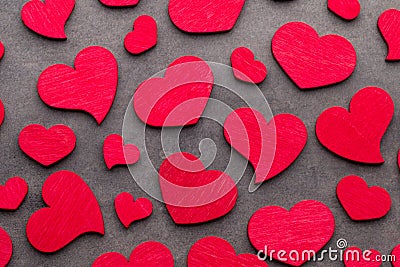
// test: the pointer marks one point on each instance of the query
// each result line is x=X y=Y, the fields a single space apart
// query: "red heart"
x=191 y=193
x=346 y=9
x=245 y=68
x=90 y=87
x=13 y=193
x=396 y=256
x=355 y=257
x=129 y=210
x=308 y=226
x=120 y=3
x=213 y=251
x=6 y=248
x=116 y=153
x=2 y=50
x=47 y=18
x=1 y=112
x=389 y=26
x=47 y=146
x=148 y=254
x=73 y=210
x=270 y=147
x=312 y=61
x=360 y=201
x=205 y=16
x=178 y=99
x=144 y=36
x=356 y=134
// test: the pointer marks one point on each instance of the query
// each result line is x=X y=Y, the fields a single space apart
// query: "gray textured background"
x=313 y=176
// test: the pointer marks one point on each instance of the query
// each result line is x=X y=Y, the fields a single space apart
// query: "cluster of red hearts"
x=354 y=134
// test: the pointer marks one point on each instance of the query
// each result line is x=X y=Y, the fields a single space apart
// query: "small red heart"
x=116 y=153
x=120 y=3
x=213 y=251
x=47 y=18
x=396 y=256
x=148 y=254
x=90 y=87
x=47 y=146
x=389 y=26
x=143 y=37
x=13 y=193
x=191 y=193
x=355 y=257
x=73 y=211
x=2 y=50
x=245 y=68
x=362 y=202
x=270 y=147
x=1 y=112
x=356 y=134
x=312 y=61
x=308 y=226
x=129 y=210
x=205 y=16
x=6 y=248
x=346 y=9
x=178 y=99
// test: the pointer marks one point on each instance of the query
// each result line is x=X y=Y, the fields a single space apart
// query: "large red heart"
x=346 y=9
x=116 y=153
x=245 y=68
x=213 y=251
x=395 y=256
x=312 y=61
x=47 y=18
x=191 y=193
x=355 y=257
x=356 y=134
x=6 y=248
x=13 y=193
x=205 y=16
x=90 y=87
x=47 y=146
x=308 y=226
x=389 y=26
x=148 y=254
x=143 y=37
x=362 y=202
x=73 y=210
x=120 y=3
x=129 y=210
x=178 y=99
x=1 y=112
x=270 y=147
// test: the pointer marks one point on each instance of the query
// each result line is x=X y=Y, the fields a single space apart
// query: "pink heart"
x=346 y=9
x=47 y=18
x=389 y=26
x=47 y=146
x=6 y=247
x=13 y=193
x=129 y=210
x=270 y=147
x=245 y=68
x=178 y=99
x=148 y=254
x=116 y=153
x=90 y=86
x=120 y=3
x=143 y=37
x=205 y=16
x=213 y=251
x=193 y=194
x=355 y=257
x=308 y=226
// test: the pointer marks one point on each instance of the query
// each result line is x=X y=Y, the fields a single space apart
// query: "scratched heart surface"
x=314 y=174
